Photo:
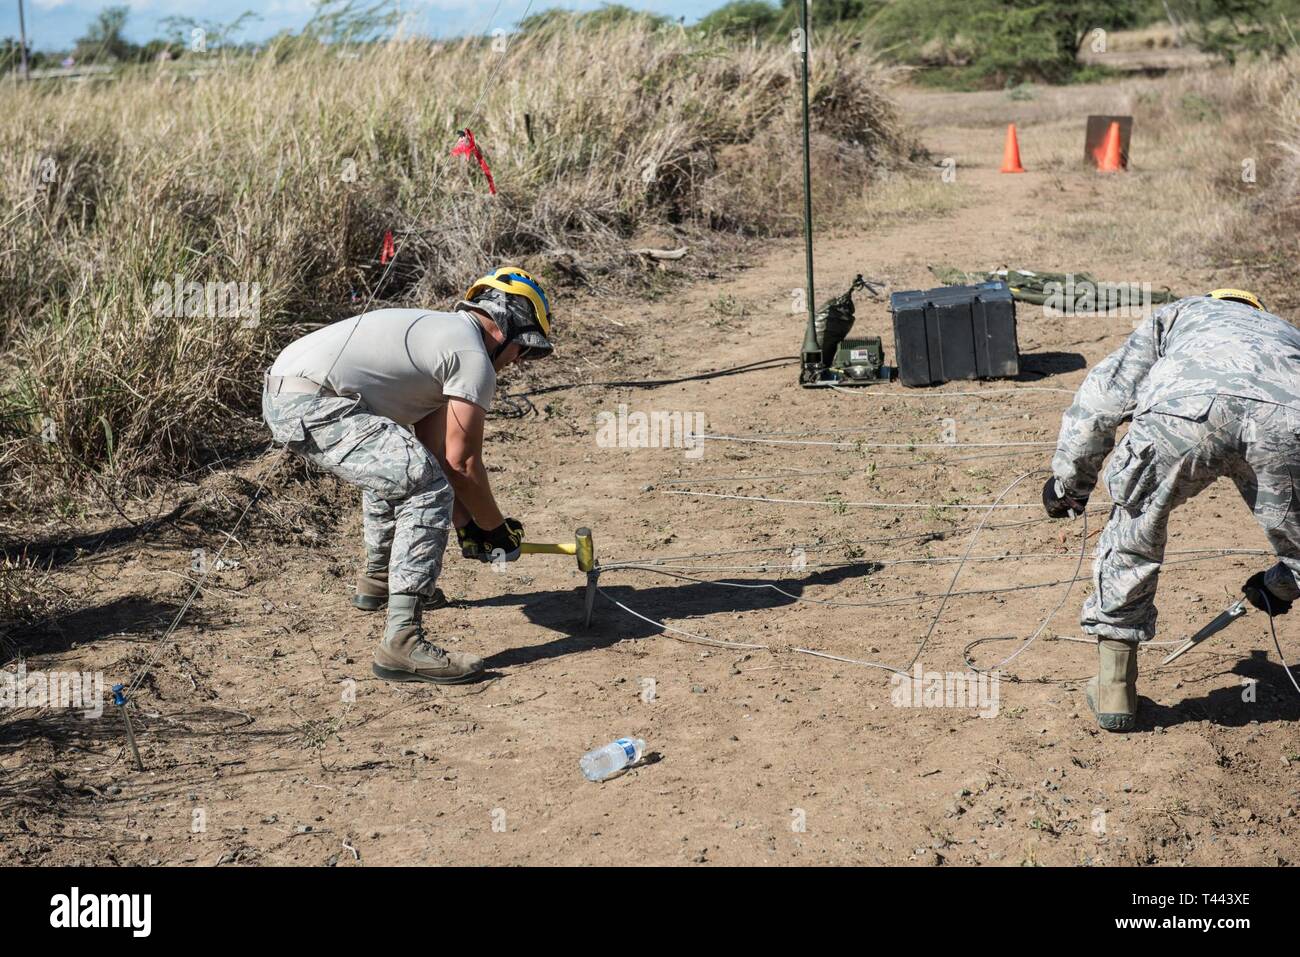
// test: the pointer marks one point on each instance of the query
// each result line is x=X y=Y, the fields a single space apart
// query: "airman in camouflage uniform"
x=1211 y=385
x=394 y=402
x=406 y=499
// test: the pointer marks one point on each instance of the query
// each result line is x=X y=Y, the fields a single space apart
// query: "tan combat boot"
x=1112 y=695
x=372 y=593
x=409 y=656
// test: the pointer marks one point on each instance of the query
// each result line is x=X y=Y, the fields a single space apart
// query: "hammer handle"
x=581 y=548
x=547 y=548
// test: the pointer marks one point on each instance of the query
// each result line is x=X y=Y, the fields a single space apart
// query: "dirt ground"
x=254 y=753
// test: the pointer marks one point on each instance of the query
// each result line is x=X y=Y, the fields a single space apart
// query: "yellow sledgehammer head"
x=581 y=548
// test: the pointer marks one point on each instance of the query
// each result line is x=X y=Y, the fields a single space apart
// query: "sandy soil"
x=256 y=755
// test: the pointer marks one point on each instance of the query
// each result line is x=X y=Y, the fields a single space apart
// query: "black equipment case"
x=955 y=332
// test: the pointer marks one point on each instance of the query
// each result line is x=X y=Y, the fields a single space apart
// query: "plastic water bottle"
x=599 y=764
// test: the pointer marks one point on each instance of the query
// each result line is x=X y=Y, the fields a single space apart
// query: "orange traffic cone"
x=1011 y=152
x=1110 y=159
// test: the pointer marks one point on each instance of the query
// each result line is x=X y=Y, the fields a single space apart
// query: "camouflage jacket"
x=1195 y=346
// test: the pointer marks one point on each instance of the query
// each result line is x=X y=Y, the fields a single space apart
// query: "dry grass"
x=1197 y=136
x=903 y=196
x=285 y=170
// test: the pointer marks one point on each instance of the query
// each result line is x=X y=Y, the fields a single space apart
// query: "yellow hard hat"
x=1238 y=295
x=516 y=282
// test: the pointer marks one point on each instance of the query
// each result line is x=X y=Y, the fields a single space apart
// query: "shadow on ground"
x=1043 y=365
x=677 y=600
x=1275 y=700
x=129 y=617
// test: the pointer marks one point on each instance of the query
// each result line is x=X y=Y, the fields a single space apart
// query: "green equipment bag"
x=1069 y=292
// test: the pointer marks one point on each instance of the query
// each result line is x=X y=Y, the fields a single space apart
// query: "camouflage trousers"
x=406 y=499
x=1171 y=453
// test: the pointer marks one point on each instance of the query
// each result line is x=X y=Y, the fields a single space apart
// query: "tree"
x=1057 y=30
x=199 y=36
x=1230 y=28
x=742 y=18
x=1005 y=40
x=609 y=14
x=104 y=41
x=348 y=21
x=11 y=54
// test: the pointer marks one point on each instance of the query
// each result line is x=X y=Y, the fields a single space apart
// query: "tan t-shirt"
x=404 y=363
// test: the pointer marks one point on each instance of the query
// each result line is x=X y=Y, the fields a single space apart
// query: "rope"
x=761 y=365
x=845 y=470
x=742 y=646
x=943 y=599
x=831 y=502
x=1272 y=627
x=876 y=603
x=180 y=614
x=970 y=545
x=1205 y=553
x=877 y=445
x=921 y=536
x=491 y=80
x=933 y=624
x=678 y=631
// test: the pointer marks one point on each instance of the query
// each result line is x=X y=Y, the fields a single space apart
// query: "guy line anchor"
x=119 y=699
x=585 y=552
x=1222 y=621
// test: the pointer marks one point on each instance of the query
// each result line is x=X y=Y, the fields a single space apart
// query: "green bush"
x=995 y=42
x=742 y=18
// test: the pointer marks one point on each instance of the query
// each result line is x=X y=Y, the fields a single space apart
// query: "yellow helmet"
x=1238 y=295
x=534 y=335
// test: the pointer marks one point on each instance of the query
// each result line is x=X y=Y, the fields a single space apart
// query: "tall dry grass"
x=1212 y=179
x=285 y=170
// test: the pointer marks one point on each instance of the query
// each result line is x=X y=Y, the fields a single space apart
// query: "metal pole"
x=22 y=34
x=807 y=175
x=119 y=699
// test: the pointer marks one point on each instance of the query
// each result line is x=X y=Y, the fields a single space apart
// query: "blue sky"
x=55 y=24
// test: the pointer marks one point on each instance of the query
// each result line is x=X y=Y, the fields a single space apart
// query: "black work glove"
x=1259 y=595
x=471 y=541
x=1060 y=505
x=503 y=541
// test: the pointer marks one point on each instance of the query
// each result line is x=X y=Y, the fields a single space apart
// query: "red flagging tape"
x=465 y=146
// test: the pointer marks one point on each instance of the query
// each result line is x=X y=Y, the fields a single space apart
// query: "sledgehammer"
x=584 y=551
